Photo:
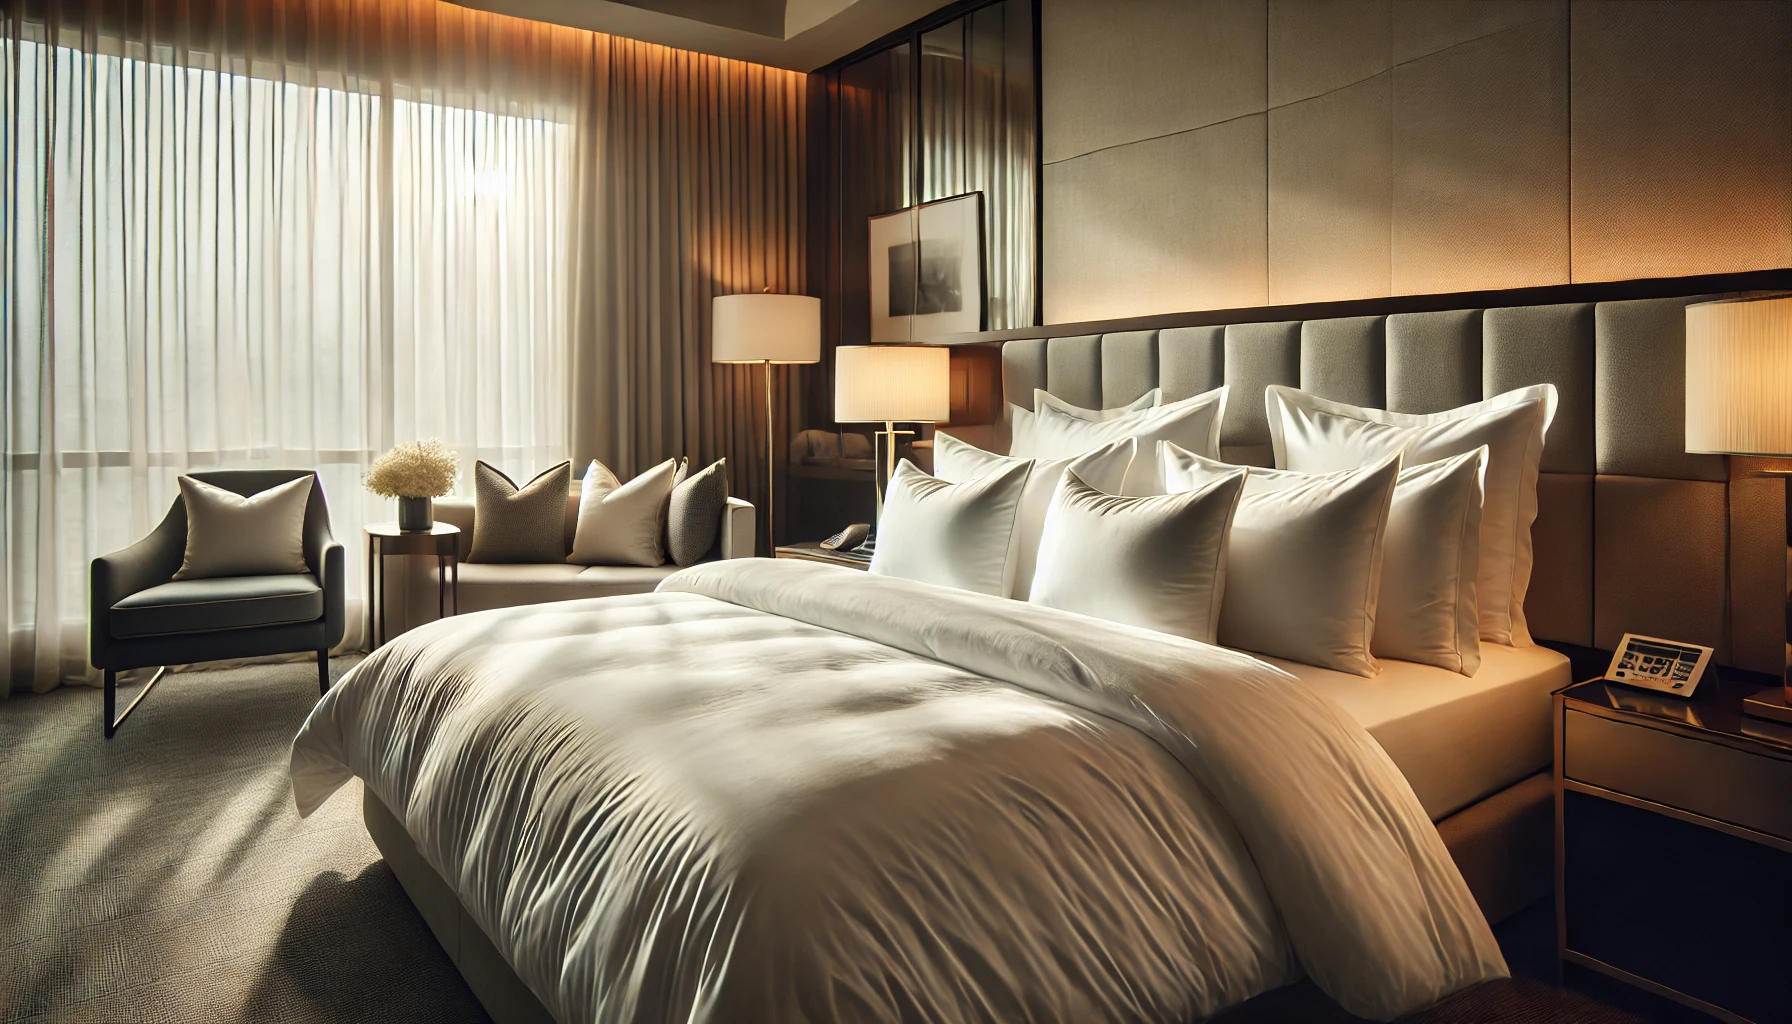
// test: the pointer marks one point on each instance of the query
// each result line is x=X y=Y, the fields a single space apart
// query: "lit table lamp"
x=1739 y=402
x=891 y=384
x=767 y=329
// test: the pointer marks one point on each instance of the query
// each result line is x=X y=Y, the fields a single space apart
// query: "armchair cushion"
x=225 y=602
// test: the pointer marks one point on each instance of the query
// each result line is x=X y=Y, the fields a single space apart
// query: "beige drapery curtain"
x=292 y=232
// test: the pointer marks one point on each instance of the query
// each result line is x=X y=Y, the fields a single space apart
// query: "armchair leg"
x=323 y=671
x=112 y=723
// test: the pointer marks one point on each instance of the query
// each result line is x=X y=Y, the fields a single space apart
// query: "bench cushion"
x=488 y=585
x=221 y=602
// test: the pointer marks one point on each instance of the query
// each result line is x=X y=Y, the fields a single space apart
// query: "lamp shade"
x=892 y=384
x=1739 y=377
x=765 y=328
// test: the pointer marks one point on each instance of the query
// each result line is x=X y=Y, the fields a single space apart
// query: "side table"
x=441 y=540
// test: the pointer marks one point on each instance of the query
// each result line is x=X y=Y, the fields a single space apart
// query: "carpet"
x=164 y=876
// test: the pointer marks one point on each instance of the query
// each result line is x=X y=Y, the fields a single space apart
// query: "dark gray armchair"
x=140 y=616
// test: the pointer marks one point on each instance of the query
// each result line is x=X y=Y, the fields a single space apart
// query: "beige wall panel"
x=1641 y=524
x=1155 y=227
x=1318 y=46
x=1481 y=164
x=1682 y=137
x=1422 y=27
x=1757 y=567
x=1330 y=161
x=1121 y=72
x=1559 y=603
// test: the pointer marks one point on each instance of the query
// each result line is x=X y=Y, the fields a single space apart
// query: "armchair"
x=140 y=616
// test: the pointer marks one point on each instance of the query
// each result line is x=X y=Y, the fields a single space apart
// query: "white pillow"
x=622 y=524
x=1303 y=569
x=1192 y=424
x=1021 y=439
x=1313 y=435
x=232 y=535
x=958 y=462
x=954 y=535
x=1426 y=611
x=1157 y=562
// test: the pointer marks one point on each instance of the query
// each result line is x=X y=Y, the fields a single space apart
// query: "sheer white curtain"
x=229 y=257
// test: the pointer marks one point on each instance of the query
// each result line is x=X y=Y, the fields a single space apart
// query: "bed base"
x=1504 y=847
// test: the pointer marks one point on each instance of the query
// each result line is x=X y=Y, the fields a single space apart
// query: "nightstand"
x=1674 y=845
x=812 y=551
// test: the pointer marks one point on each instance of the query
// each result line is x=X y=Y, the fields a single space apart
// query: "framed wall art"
x=927 y=270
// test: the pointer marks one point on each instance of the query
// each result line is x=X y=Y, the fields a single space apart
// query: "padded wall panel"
x=1682 y=135
x=1023 y=369
x=1329 y=199
x=1434 y=360
x=1320 y=46
x=1073 y=370
x=1525 y=345
x=1757 y=568
x=1480 y=164
x=1128 y=366
x=1119 y=73
x=1257 y=355
x=1171 y=224
x=1427 y=26
x=1640 y=391
x=1658 y=560
x=1345 y=359
x=1190 y=360
x=1559 y=604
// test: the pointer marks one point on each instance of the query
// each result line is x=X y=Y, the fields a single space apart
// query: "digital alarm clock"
x=1668 y=666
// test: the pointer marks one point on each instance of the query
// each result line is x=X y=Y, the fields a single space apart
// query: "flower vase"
x=416 y=515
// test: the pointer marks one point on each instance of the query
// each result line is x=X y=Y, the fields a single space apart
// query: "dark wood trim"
x=1669 y=811
x=1602 y=291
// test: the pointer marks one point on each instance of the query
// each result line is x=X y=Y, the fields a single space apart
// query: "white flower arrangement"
x=415 y=469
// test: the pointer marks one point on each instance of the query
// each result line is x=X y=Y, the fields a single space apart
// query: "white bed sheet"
x=1456 y=738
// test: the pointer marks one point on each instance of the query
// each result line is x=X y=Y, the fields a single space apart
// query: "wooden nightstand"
x=812 y=551
x=1674 y=846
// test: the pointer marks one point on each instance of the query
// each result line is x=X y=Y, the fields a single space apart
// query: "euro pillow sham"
x=1192 y=424
x=1021 y=420
x=1313 y=435
x=1157 y=561
x=952 y=535
x=622 y=524
x=1426 y=610
x=956 y=461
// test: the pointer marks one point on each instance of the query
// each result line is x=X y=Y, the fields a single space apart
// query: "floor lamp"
x=768 y=329
x=891 y=384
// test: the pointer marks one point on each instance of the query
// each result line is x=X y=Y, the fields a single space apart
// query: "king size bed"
x=785 y=791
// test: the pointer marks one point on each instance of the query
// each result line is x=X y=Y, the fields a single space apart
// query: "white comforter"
x=781 y=791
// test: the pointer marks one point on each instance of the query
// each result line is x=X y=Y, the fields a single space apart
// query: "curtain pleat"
x=294 y=232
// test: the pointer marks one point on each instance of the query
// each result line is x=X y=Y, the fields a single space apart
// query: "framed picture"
x=927 y=270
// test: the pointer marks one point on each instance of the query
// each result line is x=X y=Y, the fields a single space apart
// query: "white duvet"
x=783 y=791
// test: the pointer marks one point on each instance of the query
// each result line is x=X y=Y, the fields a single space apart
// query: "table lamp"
x=891 y=384
x=769 y=329
x=1739 y=402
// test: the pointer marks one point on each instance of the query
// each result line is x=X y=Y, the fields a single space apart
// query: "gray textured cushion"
x=230 y=535
x=229 y=602
x=694 y=517
x=526 y=524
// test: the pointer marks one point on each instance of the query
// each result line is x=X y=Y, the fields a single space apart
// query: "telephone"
x=1669 y=666
x=847 y=539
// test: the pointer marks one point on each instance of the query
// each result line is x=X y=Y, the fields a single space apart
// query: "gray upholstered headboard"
x=1632 y=533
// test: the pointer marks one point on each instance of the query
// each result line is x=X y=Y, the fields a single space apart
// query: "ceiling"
x=801 y=35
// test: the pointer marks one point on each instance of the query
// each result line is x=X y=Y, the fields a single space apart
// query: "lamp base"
x=1773 y=704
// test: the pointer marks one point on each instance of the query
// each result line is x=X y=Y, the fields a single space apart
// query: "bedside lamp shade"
x=1739 y=377
x=766 y=328
x=892 y=384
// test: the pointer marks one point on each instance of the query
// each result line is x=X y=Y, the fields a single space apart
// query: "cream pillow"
x=230 y=535
x=1313 y=435
x=1192 y=424
x=1021 y=420
x=953 y=535
x=1303 y=569
x=1426 y=611
x=1157 y=562
x=622 y=524
x=958 y=462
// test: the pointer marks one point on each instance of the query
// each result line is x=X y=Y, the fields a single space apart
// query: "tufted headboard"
x=1632 y=534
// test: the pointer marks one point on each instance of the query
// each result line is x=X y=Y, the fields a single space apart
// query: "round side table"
x=440 y=540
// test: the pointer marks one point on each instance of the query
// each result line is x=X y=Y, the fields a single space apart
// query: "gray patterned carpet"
x=163 y=876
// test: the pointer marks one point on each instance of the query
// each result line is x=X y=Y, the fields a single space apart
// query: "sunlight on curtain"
x=236 y=267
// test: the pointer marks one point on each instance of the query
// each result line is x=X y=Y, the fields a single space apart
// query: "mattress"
x=1456 y=738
